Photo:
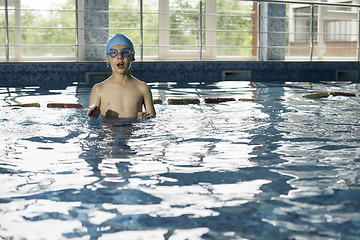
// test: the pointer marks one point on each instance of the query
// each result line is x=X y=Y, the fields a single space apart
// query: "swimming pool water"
x=284 y=168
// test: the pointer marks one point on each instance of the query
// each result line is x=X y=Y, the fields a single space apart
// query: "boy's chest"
x=121 y=96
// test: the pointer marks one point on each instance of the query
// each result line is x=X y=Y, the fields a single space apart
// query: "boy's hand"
x=93 y=111
x=143 y=115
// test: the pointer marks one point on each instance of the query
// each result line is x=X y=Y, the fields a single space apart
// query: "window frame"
x=207 y=46
x=165 y=52
x=322 y=17
x=18 y=44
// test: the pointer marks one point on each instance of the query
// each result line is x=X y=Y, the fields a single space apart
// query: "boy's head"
x=119 y=39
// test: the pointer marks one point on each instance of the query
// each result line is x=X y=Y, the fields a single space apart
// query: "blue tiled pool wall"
x=57 y=75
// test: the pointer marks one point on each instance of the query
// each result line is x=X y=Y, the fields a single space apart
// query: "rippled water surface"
x=275 y=169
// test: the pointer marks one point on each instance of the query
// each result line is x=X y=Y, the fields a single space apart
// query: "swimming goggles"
x=125 y=52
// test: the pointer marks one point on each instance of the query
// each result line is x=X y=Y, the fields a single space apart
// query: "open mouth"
x=120 y=65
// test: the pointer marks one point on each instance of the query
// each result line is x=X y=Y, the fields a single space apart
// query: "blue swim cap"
x=119 y=39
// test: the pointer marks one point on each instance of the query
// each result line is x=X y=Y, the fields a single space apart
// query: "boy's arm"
x=148 y=102
x=95 y=100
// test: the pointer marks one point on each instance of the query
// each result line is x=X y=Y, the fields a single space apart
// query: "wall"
x=58 y=75
x=95 y=23
x=273 y=31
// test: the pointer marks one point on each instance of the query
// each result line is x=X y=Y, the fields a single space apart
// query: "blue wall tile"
x=55 y=75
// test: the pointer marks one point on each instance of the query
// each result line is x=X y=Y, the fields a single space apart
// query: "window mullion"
x=164 y=25
x=7 y=42
x=18 y=31
x=210 y=29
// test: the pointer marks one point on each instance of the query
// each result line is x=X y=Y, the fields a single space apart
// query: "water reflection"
x=105 y=149
x=166 y=173
x=199 y=172
x=271 y=169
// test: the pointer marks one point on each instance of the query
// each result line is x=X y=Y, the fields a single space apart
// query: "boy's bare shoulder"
x=142 y=85
x=100 y=85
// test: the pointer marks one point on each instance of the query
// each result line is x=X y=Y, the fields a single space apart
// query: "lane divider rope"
x=180 y=101
x=64 y=105
x=183 y=101
x=24 y=105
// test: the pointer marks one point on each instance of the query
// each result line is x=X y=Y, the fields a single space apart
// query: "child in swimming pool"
x=121 y=95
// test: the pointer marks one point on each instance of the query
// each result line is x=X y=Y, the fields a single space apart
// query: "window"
x=234 y=28
x=303 y=23
x=181 y=27
x=126 y=19
x=338 y=30
x=339 y=23
x=58 y=30
x=207 y=29
x=39 y=29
